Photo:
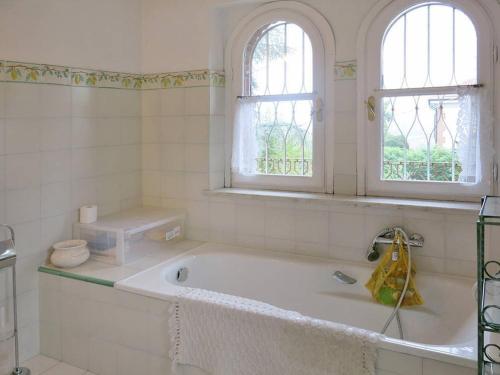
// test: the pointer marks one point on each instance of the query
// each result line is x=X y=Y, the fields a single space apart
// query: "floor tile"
x=40 y=364
x=64 y=369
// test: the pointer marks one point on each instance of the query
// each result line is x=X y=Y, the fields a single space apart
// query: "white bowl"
x=70 y=245
x=70 y=253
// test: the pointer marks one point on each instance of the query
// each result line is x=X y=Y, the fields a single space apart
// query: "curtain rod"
x=476 y=85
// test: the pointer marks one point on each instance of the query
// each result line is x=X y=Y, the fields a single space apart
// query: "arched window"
x=278 y=88
x=426 y=96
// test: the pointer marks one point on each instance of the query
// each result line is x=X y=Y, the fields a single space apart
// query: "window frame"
x=370 y=48
x=321 y=37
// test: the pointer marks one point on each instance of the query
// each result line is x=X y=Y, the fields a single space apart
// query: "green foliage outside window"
x=441 y=161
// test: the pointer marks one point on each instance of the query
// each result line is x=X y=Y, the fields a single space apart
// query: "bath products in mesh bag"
x=388 y=279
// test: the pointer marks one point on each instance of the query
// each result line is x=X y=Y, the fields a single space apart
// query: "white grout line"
x=51 y=368
x=40 y=358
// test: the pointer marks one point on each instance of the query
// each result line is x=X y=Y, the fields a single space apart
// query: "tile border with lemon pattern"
x=345 y=70
x=13 y=71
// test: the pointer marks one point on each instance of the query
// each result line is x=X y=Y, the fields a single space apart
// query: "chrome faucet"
x=386 y=236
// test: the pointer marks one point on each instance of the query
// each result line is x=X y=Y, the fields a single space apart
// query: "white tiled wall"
x=62 y=147
x=345 y=137
x=392 y=363
x=342 y=231
x=101 y=329
x=183 y=149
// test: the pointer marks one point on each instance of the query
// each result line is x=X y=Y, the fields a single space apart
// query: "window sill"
x=459 y=207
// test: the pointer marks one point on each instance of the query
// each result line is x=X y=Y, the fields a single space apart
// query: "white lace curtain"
x=244 y=158
x=474 y=135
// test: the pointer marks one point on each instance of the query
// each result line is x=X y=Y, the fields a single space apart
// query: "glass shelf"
x=491 y=304
x=75 y=276
x=490 y=210
x=491 y=368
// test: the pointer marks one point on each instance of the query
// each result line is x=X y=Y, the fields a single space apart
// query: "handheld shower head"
x=372 y=254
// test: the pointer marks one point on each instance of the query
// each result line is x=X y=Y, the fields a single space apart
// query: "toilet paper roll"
x=88 y=214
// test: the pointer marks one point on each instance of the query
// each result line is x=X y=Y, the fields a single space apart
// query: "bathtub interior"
x=306 y=285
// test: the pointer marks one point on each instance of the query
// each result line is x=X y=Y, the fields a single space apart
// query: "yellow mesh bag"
x=388 y=279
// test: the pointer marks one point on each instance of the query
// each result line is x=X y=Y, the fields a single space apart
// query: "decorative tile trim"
x=97 y=78
x=183 y=79
x=34 y=73
x=13 y=71
x=346 y=70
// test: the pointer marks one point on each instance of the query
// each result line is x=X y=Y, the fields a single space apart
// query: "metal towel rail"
x=8 y=258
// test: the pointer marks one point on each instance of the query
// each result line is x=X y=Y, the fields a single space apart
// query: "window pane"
x=465 y=50
x=441 y=45
x=428 y=46
x=284 y=134
x=393 y=56
x=416 y=48
x=420 y=138
x=281 y=62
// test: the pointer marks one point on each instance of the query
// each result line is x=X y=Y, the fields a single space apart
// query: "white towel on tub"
x=229 y=335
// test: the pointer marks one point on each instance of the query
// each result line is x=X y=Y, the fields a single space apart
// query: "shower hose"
x=395 y=311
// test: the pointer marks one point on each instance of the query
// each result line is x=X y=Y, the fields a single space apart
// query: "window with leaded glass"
x=428 y=101
x=278 y=130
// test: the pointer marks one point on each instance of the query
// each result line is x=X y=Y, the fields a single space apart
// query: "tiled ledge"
x=95 y=272
x=459 y=207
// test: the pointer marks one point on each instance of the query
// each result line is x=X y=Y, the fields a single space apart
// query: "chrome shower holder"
x=8 y=258
x=386 y=236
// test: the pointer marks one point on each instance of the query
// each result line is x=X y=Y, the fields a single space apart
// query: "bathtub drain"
x=182 y=274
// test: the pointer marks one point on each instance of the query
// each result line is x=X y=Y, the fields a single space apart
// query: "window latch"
x=370 y=107
x=318 y=109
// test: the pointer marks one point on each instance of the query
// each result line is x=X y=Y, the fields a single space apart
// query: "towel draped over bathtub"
x=229 y=335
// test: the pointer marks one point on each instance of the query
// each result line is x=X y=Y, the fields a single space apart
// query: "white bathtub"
x=443 y=329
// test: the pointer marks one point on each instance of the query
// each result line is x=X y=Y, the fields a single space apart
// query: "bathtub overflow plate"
x=342 y=278
x=182 y=274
